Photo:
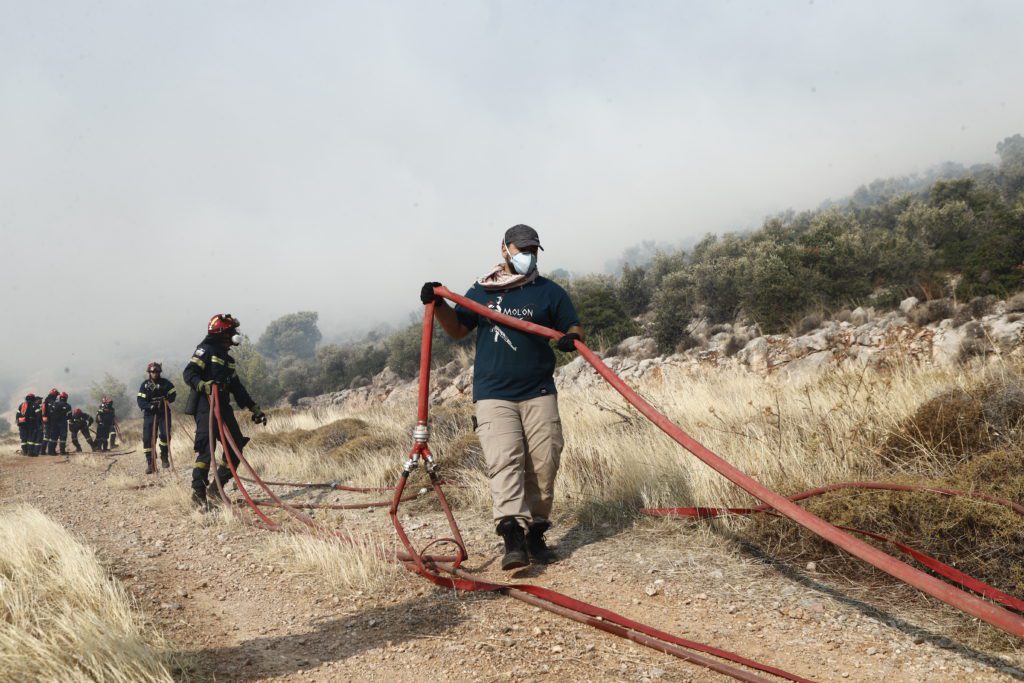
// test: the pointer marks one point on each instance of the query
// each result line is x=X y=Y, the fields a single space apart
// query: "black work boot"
x=213 y=495
x=535 y=545
x=149 y=467
x=199 y=500
x=164 y=461
x=515 y=544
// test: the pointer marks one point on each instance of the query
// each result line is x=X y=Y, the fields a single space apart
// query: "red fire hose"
x=431 y=566
x=447 y=571
x=951 y=595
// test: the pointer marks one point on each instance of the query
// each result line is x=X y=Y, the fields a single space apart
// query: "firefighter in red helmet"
x=59 y=419
x=28 y=413
x=49 y=423
x=105 y=429
x=211 y=365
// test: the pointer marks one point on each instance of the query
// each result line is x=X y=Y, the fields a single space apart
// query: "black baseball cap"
x=523 y=236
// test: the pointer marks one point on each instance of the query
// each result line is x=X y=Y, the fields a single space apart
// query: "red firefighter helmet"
x=106 y=401
x=78 y=411
x=54 y=392
x=30 y=397
x=64 y=395
x=221 y=323
x=154 y=367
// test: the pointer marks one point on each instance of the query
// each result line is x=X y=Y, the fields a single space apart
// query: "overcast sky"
x=163 y=161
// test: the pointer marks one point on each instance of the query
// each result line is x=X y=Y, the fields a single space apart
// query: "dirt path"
x=241 y=617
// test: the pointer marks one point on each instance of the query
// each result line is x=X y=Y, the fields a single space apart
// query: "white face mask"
x=523 y=262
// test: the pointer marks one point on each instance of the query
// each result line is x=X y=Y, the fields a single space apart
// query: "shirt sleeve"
x=242 y=397
x=466 y=317
x=141 y=398
x=563 y=313
x=193 y=373
x=172 y=392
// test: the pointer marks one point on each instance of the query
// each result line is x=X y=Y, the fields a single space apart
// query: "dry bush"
x=62 y=618
x=975 y=343
x=1002 y=401
x=962 y=315
x=1015 y=304
x=325 y=437
x=808 y=323
x=947 y=427
x=735 y=344
x=931 y=312
x=983 y=539
x=980 y=306
x=340 y=566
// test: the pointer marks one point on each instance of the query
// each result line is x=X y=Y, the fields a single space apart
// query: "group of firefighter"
x=44 y=424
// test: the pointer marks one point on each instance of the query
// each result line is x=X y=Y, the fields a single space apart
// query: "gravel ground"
x=238 y=615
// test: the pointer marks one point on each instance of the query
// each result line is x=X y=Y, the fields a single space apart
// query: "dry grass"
x=63 y=617
x=951 y=426
x=787 y=434
x=338 y=566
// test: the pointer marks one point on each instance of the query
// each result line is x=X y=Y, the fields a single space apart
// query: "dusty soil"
x=236 y=615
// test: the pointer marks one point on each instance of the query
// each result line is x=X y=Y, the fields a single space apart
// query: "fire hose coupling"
x=421 y=432
x=430 y=465
x=412 y=463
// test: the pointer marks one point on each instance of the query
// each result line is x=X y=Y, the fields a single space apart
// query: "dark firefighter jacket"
x=105 y=416
x=82 y=421
x=60 y=411
x=27 y=412
x=48 y=407
x=150 y=392
x=211 y=361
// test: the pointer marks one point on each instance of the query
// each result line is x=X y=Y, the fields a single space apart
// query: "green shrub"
x=673 y=310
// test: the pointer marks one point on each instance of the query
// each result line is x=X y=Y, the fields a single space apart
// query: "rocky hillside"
x=939 y=332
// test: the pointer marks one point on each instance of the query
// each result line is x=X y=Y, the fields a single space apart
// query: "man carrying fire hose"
x=151 y=397
x=210 y=365
x=514 y=390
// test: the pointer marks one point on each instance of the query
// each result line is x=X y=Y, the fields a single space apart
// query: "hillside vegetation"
x=955 y=233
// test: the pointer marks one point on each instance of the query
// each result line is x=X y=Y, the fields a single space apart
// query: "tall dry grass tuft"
x=789 y=434
x=62 y=618
x=359 y=566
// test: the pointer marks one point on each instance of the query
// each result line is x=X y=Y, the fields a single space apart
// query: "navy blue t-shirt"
x=513 y=365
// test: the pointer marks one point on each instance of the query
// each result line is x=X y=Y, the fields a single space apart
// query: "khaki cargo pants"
x=522 y=445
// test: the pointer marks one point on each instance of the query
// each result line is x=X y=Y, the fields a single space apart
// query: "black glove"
x=258 y=416
x=427 y=295
x=567 y=343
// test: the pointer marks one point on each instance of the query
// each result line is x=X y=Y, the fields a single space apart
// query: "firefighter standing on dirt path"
x=38 y=430
x=152 y=398
x=27 y=415
x=60 y=416
x=514 y=390
x=210 y=365
x=50 y=425
x=105 y=425
x=80 y=422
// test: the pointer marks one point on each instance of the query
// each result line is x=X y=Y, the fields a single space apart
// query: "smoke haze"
x=166 y=161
